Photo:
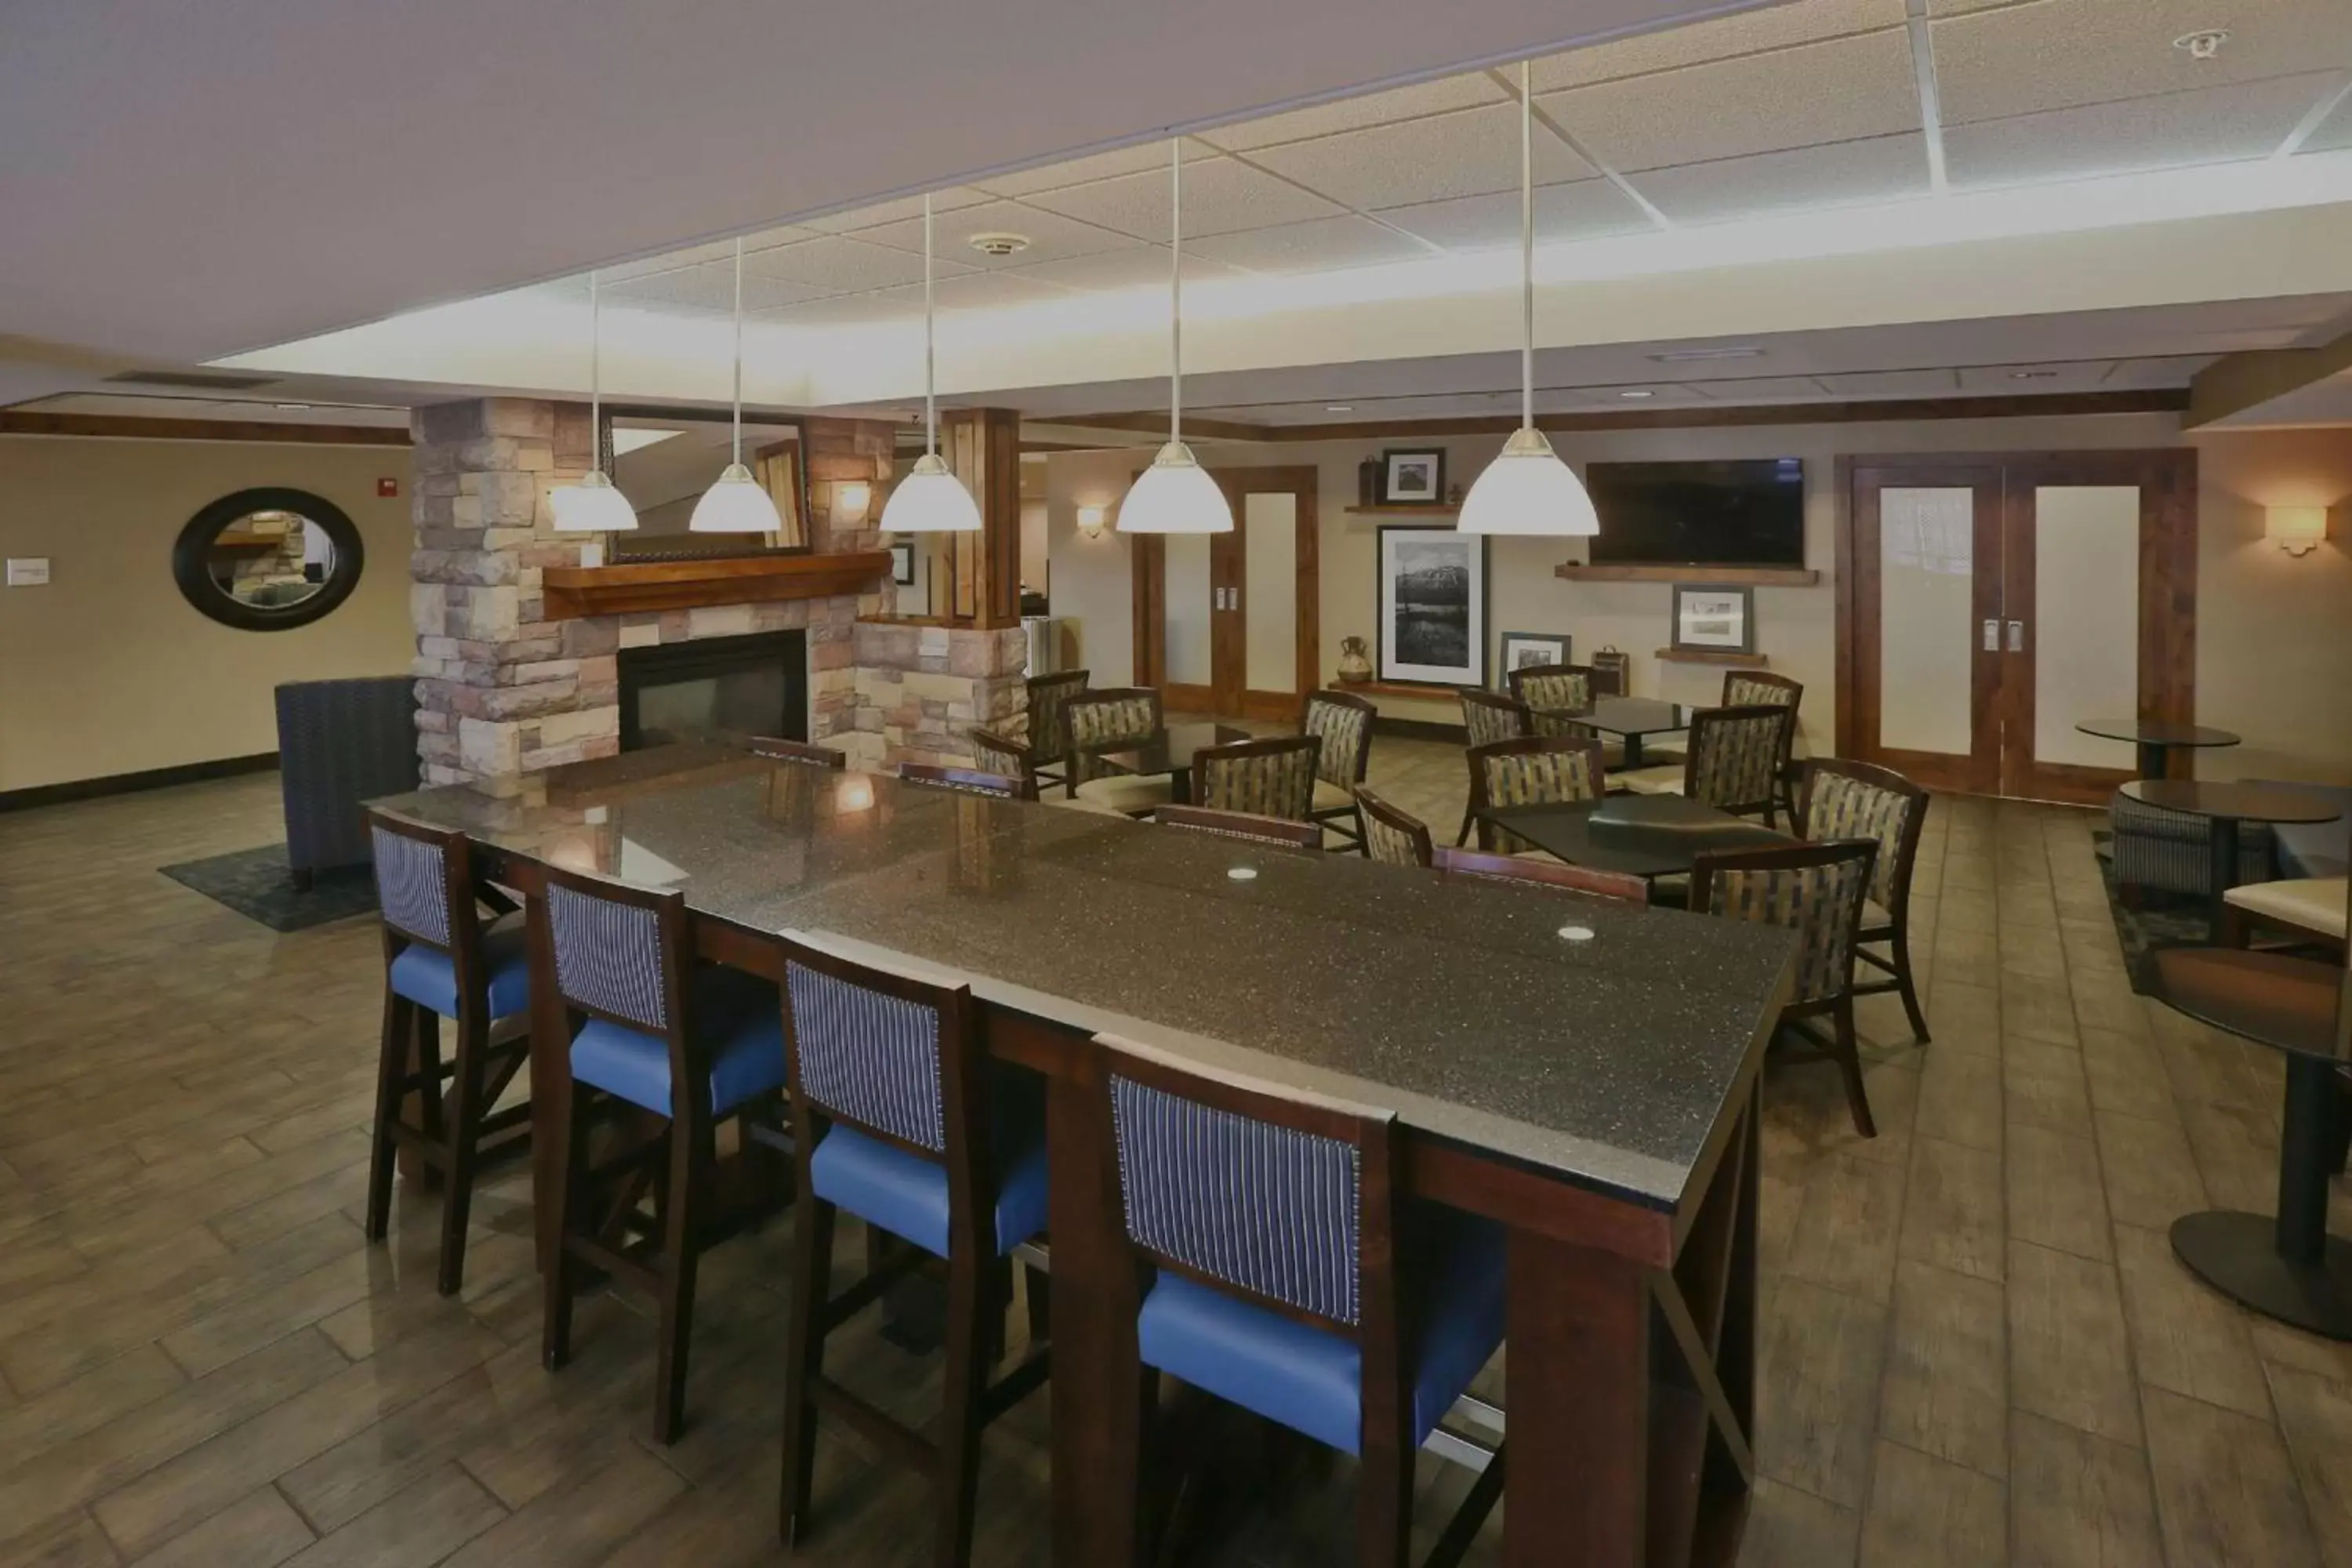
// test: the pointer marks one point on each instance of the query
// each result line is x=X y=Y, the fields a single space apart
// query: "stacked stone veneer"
x=503 y=690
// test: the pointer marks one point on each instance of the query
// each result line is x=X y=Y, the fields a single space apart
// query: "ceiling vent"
x=194 y=380
x=1000 y=243
x=2202 y=44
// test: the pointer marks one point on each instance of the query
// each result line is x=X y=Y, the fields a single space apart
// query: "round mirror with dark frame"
x=268 y=560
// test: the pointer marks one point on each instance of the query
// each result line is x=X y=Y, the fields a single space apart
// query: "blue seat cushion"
x=740 y=1020
x=426 y=975
x=906 y=1195
x=1310 y=1379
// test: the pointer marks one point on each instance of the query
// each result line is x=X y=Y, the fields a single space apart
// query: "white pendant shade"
x=736 y=504
x=930 y=499
x=1175 y=495
x=1528 y=490
x=595 y=505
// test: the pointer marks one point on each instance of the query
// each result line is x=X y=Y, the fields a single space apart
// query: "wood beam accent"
x=1149 y=422
x=573 y=591
x=145 y=427
x=2235 y=383
x=1755 y=576
x=982 y=445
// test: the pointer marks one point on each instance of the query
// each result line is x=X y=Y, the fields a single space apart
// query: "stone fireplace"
x=715 y=689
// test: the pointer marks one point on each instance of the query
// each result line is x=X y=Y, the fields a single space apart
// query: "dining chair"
x=993 y=752
x=1843 y=799
x=1344 y=722
x=1479 y=863
x=1489 y=717
x=1393 y=836
x=1534 y=770
x=1270 y=777
x=900 y=1118
x=1556 y=686
x=1818 y=890
x=650 y=1033
x=1734 y=762
x=1753 y=689
x=968 y=781
x=442 y=961
x=1048 y=694
x=1108 y=720
x=1290 y=1277
x=782 y=751
x=1270 y=830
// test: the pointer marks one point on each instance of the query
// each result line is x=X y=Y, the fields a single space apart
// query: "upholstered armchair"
x=339 y=744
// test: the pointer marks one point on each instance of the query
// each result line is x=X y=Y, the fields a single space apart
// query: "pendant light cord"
x=1527 y=250
x=930 y=351
x=1176 y=287
x=739 y=353
x=595 y=376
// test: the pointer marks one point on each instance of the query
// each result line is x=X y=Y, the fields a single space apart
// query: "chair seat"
x=1310 y=1379
x=1084 y=803
x=2310 y=903
x=1329 y=796
x=1127 y=791
x=906 y=1195
x=739 y=1017
x=1649 y=781
x=428 y=976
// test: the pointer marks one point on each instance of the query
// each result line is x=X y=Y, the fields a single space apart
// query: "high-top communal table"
x=1598 y=1096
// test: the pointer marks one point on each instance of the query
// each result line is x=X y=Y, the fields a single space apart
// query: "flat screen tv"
x=1742 y=513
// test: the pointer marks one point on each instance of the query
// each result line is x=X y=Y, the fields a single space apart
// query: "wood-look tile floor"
x=1977 y=1348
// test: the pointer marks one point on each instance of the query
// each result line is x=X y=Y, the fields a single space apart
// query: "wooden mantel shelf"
x=1753 y=577
x=1714 y=656
x=573 y=591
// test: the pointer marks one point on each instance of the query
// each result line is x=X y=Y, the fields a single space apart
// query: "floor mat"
x=256 y=884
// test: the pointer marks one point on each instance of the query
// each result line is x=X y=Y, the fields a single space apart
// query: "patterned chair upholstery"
x=1487 y=716
x=1861 y=800
x=2170 y=852
x=1553 y=686
x=341 y=742
x=1095 y=721
x=1274 y=832
x=1343 y=721
x=1392 y=836
x=1048 y=694
x=1265 y=778
x=1735 y=762
x=1003 y=755
x=1540 y=770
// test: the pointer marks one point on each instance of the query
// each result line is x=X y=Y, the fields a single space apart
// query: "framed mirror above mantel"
x=663 y=459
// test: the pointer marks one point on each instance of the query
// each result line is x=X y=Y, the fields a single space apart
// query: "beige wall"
x=2260 y=612
x=108 y=670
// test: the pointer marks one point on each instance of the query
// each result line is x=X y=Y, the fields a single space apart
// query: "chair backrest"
x=615 y=951
x=1489 y=867
x=1283 y=1201
x=802 y=752
x=1344 y=721
x=1269 y=830
x=969 y=781
x=1760 y=689
x=1558 y=687
x=1816 y=890
x=1845 y=799
x=1273 y=777
x=425 y=890
x=1534 y=770
x=1489 y=717
x=997 y=752
x=1047 y=696
x=1736 y=755
x=1105 y=721
x=1393 y=836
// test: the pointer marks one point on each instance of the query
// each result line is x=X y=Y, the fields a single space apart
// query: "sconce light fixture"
x=851 y=498
x=1090 y=521
x=2297 y=529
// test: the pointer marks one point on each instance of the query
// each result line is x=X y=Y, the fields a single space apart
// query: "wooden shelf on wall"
x=573 y=591
x=1405 y=509
x=1748 y=576
x=1711 y=656
x=1395 y=688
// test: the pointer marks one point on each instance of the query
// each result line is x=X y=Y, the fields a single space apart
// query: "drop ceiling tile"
x=969 y=292
x=839 y=265
x=671 y=260
x=1583 y=209
x=2054 y=54
x=1882 y=169
x=1140 y=266
x=1221 y=196
x=1842 y=91
x=1891 y=382
x=710 y=285
x=897 y=211
x=1315 y=245
x=2335 y=132
x=1749 y=32
x=1051 y=236
x=1466 y=91
x=1470 y=153
x=2211 y=125
x=2080 y=376
x=1142 y=158
x=1756 y=388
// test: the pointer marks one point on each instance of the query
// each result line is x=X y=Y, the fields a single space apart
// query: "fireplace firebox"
x=716 y=689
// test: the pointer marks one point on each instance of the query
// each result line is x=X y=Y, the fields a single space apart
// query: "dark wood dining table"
x=1170 y=751
x=1597 y=1097
x=1645 y=836
x=1630 y=718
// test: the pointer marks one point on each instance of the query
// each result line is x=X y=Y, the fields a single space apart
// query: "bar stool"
x=897 y=1119
x=441 y=962
x=1295 y=1282
x=650 y=1033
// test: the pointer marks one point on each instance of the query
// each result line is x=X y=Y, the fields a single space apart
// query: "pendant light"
x=736 y=504
x=1175 y=495
x=930 y=499
x=1528 y=489
x=595 y=505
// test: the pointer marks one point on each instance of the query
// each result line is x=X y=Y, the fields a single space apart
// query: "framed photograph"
x=902 y=563
x=1518 y=650
x=1413 y=476
x=1432 y=613
x=1714 y=618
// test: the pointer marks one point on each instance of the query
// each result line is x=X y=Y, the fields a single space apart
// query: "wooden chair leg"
x=465 y=1132
x=1037 y=1295
x=805 y=1362
x=1464 y=836
x=1849 y=1059
x=688 y=1190
x=570 y=1175
x=1901 y=949
x=427 y=1027
x=971 y=1300
x=1384 y=1502
x=392 y=1057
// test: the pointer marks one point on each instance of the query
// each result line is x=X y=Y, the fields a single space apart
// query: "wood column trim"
x=982 y=445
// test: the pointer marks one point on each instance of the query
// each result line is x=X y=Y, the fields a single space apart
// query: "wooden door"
x=1227 y=624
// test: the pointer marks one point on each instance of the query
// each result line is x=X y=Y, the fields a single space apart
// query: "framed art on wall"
x=1413 y=476
x=902 y=563
x=1518 y=650
x=1714 y=618
x=1432 y=612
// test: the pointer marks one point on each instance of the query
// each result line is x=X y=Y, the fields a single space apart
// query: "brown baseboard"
x=132 y=783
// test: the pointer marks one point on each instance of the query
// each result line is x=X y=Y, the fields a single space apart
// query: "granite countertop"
x=1460 y=1006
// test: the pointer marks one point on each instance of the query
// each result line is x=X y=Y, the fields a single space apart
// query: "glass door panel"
x=1269 y=595
x=2084 y=640
x=1926 y=619
x=1189 y=586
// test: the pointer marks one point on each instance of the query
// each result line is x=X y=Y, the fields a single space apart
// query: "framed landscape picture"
x=1432 y=613
x=1714 y=618
x=1413 y=476
x=1521 y=649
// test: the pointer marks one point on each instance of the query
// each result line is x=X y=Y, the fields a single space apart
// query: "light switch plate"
x=28 y=572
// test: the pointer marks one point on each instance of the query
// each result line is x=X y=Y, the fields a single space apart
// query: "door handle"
x=1993 y=636
x=2017 y=637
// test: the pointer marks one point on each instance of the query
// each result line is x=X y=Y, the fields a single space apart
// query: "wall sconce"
x=851 y=499
x=1090 y=521
x=2297 y=529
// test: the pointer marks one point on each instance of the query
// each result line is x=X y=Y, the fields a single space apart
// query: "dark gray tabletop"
x=1460 y=1006
x=2243 y=802
x=1172 y=749
x=1628 y=715
x=1639 y=835
x=2157 y=732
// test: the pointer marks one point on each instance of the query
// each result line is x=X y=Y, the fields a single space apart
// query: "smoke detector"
x=2203 y=43
x=999 y=244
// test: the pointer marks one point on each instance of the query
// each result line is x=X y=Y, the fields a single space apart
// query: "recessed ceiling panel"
x=710 y=285
x=2079 y=376
x=1750 y=32
x=1050 y=235
x=2211 y=125
x=1331 y=242
x=1473 y=152
x=946 y=201
x=1583 y=209
x=1141 y=158
x=1464 y=92
x=1884 y=168
x=1138 y=266
x=1891 y=382
x=967 y=291
x=842 y=266
x=1220 y=197
x=1837 y=91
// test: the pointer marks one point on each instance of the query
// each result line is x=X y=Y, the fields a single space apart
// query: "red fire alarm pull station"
x=387 y=486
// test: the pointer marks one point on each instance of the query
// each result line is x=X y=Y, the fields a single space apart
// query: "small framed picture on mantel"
x=1714 y=618
x=1413 y=476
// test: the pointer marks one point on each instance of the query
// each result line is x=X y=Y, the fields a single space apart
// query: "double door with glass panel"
x=1994 y=603
x=1226 y=623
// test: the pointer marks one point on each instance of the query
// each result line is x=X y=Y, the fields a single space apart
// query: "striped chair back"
x=1047 y=696
x=1105 y=721
x=1272 y=831
x=1860 y=800
x=1520 y=871
x=968 y=781
x=1557 y=687
x=412 y=884
x=1487 y=716
x=865 y=1056
x=1815 y=890
x=618 y=952
x=996 y=752
x=1343 y=721
x=1393 y=836
x=1273 y=777
x=1760 y=689
x=1534 y=770
x=1736 y=755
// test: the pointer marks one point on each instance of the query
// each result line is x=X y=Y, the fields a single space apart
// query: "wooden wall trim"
x=141 y=427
